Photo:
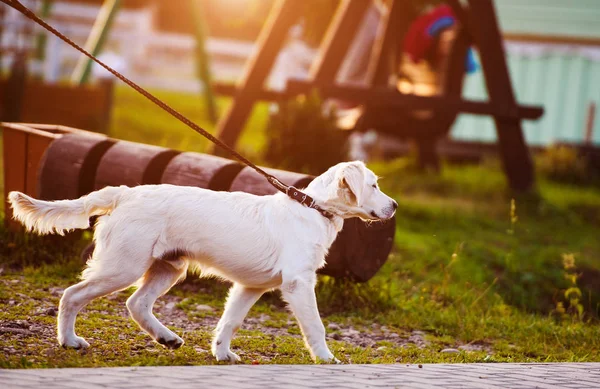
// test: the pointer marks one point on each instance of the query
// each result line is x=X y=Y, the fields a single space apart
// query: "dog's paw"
x=332 y=360
x=173 y=342
x=226 y=356
x=327 y=357
x=76 y=342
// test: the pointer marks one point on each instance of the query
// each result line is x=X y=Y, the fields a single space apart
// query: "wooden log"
x=68 y=170
x=360 y=249
x=201 y=170
x=248 y=180
x=131 y=164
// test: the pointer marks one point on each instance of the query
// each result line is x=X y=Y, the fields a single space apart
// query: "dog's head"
x=351 y=190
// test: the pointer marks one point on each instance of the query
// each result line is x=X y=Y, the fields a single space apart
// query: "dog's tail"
x=48 y=217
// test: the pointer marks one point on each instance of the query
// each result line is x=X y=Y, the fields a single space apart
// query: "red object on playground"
x=418 y=39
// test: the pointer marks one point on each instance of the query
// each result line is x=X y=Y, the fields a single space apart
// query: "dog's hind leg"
x=161 y=276
x=98 y=282
x=239 y=302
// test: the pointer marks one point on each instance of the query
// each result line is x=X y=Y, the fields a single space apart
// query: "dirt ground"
x=40 y=324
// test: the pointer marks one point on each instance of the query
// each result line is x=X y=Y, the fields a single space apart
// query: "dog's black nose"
x=394 y=204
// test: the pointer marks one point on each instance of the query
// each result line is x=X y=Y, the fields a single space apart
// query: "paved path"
x=492 y=375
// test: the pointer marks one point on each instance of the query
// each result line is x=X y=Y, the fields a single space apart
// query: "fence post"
x=203 y=60
x=589 y=123
x=15 y=89
x=96 y=40
x=41 y=39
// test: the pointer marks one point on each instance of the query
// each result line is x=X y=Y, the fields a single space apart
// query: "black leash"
x=289 y=190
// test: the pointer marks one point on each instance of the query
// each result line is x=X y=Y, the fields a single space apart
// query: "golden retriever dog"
x=150 y=235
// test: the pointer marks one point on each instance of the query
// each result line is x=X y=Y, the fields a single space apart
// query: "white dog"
x=150 y=235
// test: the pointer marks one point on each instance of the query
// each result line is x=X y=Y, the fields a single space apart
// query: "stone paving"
x=492 y=375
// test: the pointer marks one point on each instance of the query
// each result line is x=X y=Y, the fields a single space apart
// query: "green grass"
x=136 y=119
x=499 y=290
x=461 y=271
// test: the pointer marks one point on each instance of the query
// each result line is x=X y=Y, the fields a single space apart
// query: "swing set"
x=385 y=108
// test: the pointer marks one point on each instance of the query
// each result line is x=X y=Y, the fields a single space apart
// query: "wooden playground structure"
x=385 y=108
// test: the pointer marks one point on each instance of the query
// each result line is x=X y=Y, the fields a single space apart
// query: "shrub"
x=564 y=164
x=571 y=307
x=304 y=138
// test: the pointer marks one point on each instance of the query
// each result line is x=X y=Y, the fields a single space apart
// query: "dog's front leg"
x=239 y=302
x=299 y=292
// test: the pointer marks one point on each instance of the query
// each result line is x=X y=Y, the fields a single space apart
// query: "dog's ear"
x=353 y=178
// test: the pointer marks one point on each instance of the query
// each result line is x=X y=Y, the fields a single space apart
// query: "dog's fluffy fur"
x=150 y=235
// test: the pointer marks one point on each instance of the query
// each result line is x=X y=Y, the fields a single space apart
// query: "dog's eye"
x=375 y=186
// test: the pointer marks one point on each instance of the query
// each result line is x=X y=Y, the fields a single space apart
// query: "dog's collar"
x=308 y=201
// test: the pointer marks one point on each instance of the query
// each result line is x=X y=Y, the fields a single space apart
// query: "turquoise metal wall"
x=562 y=78
x=564 y=84
x=574 y=18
